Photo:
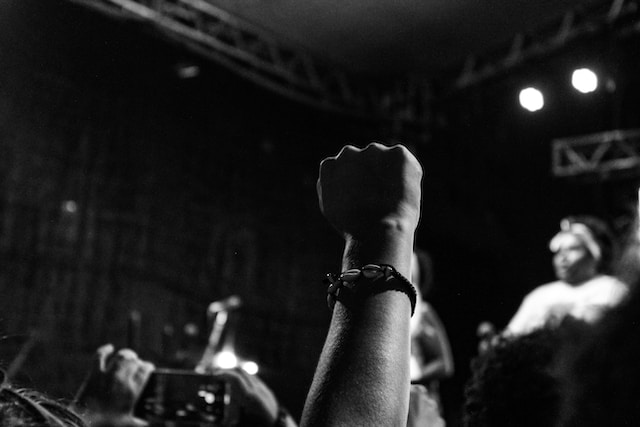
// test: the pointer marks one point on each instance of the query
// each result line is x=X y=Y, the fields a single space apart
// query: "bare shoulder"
x=547 y=290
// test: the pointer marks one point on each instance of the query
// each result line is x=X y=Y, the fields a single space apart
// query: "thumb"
x=102 y=354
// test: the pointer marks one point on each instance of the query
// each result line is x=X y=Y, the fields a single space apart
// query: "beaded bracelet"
x=351 y=286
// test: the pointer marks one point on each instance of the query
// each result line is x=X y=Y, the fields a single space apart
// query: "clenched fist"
x=371 y=190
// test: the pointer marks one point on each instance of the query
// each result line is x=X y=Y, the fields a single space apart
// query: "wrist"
x=354 y=286
x=387 y=245
x=386 y=227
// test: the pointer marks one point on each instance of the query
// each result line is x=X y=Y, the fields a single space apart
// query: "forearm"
x=391 y=243
x=363 y=374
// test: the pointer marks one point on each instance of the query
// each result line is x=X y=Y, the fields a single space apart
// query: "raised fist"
x=371 y=190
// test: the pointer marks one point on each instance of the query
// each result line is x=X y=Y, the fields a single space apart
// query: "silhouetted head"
x=27 y=408
x=601 y=373
x=513 y=383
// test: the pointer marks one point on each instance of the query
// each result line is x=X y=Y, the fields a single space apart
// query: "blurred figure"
x=431 y=358
x=423 y=410
x=583 y=250
x=252 y=403
x=109 y=393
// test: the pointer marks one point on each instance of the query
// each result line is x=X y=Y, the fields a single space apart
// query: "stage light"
x=226 y=360
x=531 y=99
x=250 y=367
x=584 y=80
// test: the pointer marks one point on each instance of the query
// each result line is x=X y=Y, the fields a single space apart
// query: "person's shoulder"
x=534 y=308
x=546 y=289
x=611 y=284
x=608 y=282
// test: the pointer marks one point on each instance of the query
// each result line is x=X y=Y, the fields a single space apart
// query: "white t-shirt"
x=555 y=300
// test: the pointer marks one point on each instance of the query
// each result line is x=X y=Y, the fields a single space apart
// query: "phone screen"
x=183 y=397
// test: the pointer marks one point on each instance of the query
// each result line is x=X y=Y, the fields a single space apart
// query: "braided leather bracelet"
x=352 y=286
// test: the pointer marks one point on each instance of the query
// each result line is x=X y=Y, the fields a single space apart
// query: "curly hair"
x=601 y=373
x=28 y=408
x=512 y=384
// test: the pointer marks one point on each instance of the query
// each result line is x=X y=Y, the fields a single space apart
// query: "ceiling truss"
x=601 y=154
x=258 y=56
x=618 y=17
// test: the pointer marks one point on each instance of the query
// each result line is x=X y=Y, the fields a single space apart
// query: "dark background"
x=187 y=191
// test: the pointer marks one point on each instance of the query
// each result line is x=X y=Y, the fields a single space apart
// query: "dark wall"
x=124 y=188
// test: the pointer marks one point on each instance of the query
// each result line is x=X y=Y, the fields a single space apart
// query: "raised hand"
x=251 y=401
x=371 y=196
x=113 y=386
x=362 y=191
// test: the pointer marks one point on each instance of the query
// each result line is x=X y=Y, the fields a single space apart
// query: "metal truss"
x=600 y=154
x=618 y=17
x=258 y=56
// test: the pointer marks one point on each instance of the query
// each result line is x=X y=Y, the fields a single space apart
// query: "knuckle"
x=375 y=147
x=348 y=150
x=127 y=354
x=327 y=163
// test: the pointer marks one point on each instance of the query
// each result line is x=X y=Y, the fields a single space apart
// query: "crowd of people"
x=567 y=357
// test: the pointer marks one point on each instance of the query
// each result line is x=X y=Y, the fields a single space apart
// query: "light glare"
x=226 y=360
x=584 y=80
x=531 y=99
x=250 y=367
x=70 y=206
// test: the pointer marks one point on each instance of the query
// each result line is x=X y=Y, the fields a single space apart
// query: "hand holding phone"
x=113 y=385
x=251 y=401
x=184 y=397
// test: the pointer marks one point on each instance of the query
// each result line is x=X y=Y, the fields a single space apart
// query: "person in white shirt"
x=582 y=256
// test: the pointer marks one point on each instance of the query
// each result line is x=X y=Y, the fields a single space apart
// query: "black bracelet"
x=351 y=286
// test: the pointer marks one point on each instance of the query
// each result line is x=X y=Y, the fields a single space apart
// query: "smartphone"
x=182 y=397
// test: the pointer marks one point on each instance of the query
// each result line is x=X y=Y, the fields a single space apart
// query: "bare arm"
x=372 y=198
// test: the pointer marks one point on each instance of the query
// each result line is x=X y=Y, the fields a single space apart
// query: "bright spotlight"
x=250 y=367
x=226 y=360
x=584 y=80
x=531 y=99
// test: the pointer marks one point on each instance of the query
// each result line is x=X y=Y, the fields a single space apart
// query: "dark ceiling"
x=390 y=36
